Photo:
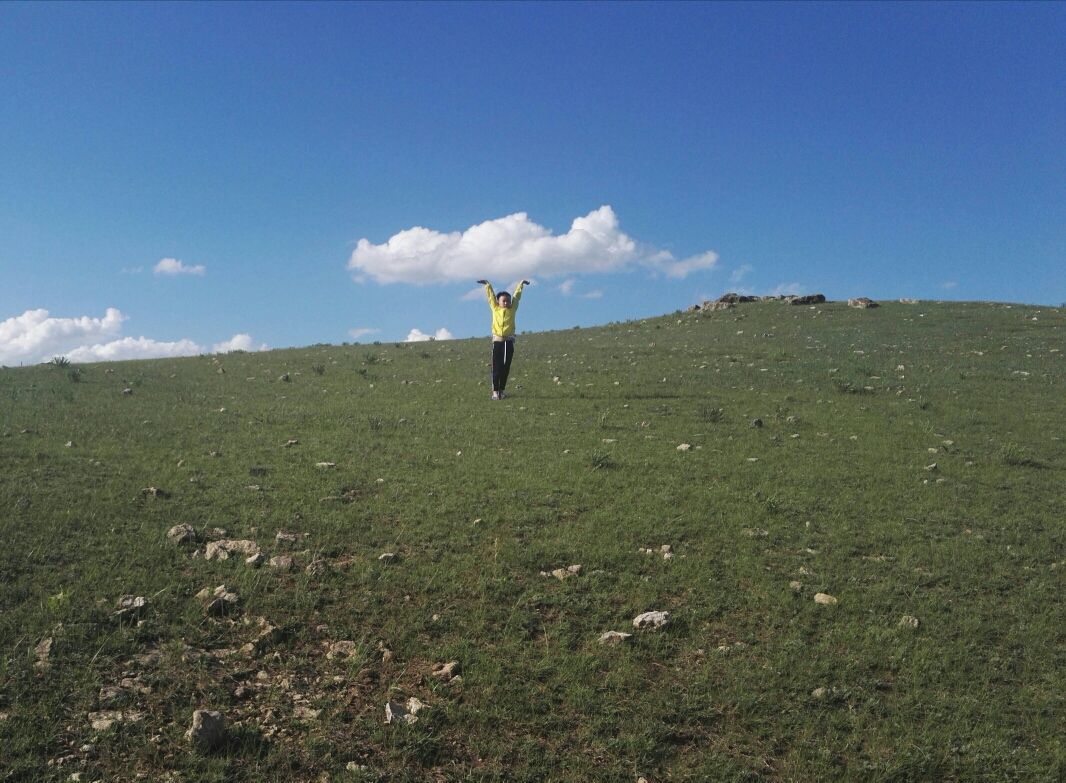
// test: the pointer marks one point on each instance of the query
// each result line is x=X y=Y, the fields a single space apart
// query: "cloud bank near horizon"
x=418 y=336
x=36 y=336
x=515 y=247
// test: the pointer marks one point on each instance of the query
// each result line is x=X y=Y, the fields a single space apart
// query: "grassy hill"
x=909 y=463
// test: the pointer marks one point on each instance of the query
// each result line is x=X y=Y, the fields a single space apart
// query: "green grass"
x=478 y=497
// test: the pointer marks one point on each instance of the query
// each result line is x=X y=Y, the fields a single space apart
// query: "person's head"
x=503 y=299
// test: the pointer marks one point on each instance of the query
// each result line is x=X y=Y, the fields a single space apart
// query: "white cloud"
x=787 y=288
x=949 y=284
x=566 y=288
x=172 y=266
x=35 y=336
x=361 y=331
x=418 y=336
x=133 y=348
x=740 y=273
x=685 y=267
x=239 y=342
x=513 y=247
x=474 y=294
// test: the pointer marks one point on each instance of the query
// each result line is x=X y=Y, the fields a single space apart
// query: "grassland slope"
x=907 y=461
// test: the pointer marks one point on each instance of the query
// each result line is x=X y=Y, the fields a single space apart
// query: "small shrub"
x=1013 y=454
x=712 y=415
x=318 y=369
x=371 y=358
x=74 y=373
x=601 y=460
x=60 y=361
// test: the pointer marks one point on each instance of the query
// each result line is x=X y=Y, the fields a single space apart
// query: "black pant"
x=502 y=353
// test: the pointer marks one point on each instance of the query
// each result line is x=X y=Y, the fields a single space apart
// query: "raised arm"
x=489 y=293
x=518 y=293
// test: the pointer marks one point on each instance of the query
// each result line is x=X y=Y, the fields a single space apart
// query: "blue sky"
x=885 y=150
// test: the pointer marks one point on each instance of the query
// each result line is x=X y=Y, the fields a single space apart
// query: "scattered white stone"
x=286 y=538
x=684 y=446
x=342 y=650
x=221 y=550
x=395 y=712
x=615 y=637
x=651 y=620
x=131 y=607
x=386 y=653
x=909 y=621
x=795 y=586
x=182 y=534
x=932 y=467
x=219 y=601
x=255 y=560
x=208 y=730
x=824 y=599
x=282 y=562
x=563 y=573
x=389 y=557
x=755 y=532
x=42 y=651
x=446 y=671
x=291 y=442
x=105 y=719
x=317 y=567
x=325 y=464
x=821 y=693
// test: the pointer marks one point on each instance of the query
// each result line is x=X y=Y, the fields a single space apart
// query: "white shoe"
x=495 y=395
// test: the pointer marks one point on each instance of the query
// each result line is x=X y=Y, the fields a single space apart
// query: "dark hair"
x=502 y=293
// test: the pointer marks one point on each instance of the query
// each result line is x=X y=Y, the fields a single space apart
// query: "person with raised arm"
x=504 y=308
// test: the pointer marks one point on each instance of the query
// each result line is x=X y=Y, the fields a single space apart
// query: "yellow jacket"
x=503 y=317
